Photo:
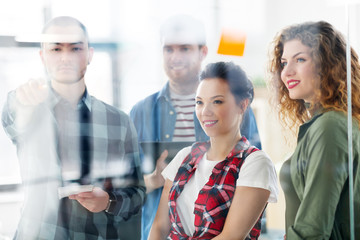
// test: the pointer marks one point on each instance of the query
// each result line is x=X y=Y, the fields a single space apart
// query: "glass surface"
x=125 y=74
x=17 y=67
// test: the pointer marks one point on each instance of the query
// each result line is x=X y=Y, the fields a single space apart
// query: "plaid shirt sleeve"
x=12 y=108
x=130 y=199
x=120 y=151
x=7 y=120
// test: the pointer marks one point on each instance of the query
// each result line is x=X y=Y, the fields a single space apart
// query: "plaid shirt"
x=214 y=199
x=49 y=142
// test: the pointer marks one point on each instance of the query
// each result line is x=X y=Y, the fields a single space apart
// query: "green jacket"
x=315 y=180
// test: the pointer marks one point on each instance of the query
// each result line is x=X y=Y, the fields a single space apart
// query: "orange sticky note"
x=232 y=42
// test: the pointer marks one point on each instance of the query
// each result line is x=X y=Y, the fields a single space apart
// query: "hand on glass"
x=32 y=93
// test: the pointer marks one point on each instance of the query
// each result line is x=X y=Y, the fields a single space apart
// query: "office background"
x=127 y=64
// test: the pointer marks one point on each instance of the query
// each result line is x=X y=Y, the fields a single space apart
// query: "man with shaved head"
x=78 y=156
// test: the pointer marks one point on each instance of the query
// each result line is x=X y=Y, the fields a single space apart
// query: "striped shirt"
x=184 y=126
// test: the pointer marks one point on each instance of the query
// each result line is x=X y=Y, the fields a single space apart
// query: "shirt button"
x=171 y=112
x=167 y=135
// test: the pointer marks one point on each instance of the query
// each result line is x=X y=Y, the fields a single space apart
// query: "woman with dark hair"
x=308 y=73
x=217 y=189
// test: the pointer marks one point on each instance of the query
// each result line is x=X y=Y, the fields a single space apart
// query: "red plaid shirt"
x=214 y=199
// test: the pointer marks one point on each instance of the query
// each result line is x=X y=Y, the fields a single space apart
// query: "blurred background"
x=127 y=65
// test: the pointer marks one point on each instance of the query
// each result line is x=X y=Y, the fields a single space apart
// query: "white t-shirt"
x=257 y=171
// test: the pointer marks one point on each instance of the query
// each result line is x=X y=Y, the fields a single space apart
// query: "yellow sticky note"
x=232 y=42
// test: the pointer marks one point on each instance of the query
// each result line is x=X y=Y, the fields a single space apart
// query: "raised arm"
x=19 y=109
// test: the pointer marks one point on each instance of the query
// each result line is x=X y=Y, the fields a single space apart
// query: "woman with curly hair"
x=308 y=73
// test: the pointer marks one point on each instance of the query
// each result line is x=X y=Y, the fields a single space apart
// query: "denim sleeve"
x=249 y=128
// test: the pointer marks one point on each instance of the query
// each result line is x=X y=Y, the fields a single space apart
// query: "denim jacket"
x=154 y=118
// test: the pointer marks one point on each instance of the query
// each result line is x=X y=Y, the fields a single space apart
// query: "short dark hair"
x=66 y=21
x=239 y=84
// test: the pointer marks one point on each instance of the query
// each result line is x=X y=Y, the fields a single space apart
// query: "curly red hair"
x=328 y=51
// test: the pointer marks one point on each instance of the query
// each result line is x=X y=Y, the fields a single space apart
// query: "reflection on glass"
x=78 y=156
x=138 y=62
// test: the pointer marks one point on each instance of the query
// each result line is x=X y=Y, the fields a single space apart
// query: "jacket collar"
x=164 y=93
x=317 y=113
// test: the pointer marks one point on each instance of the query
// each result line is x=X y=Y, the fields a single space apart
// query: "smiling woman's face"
x=299 y=73
x=216 y=108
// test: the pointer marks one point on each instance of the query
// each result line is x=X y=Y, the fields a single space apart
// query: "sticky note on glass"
x=232 y=42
